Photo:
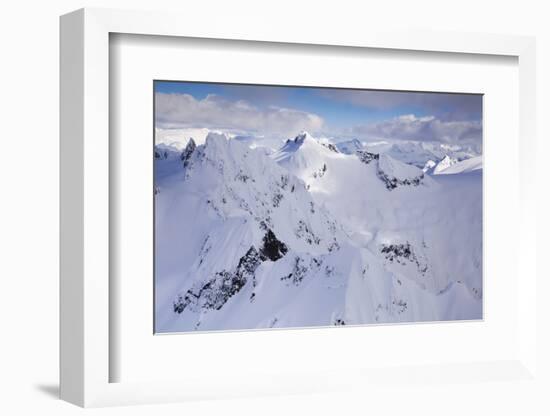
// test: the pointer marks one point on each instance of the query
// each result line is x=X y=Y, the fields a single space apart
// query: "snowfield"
x=307 y=233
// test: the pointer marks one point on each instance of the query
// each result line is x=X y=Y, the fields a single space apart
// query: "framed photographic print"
x=289 y=206
x=248 y=215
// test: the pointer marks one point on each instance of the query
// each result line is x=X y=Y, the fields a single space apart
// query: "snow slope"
x=464 y=166
x=443 y=164
x=310 y=236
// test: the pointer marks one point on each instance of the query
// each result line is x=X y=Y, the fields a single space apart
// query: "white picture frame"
x=85 y=220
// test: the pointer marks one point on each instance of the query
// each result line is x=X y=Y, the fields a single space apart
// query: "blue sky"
x=276 y=110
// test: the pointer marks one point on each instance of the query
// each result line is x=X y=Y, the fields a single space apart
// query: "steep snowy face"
x=443 y=164
x=188 y=152
x=356 y=187
x=246 y=211
x=329 y=172
x=299 y=148
x=305 y=157
x=244 y=182
x=389 y=207
x=464 y=166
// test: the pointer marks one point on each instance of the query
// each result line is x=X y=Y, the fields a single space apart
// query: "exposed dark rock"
x=304 y=232
x=217 y=291
x=277 y=199
x=321 y=171
x=298 y=272
x=392 y=182
x=396 y=251
x=330 y=146
x=399 y=306
x=272 y=249
x=367 y=157
x=401 y=254
x=334 y=245
x=241 y=176
x=301 y=268
x=188 y=151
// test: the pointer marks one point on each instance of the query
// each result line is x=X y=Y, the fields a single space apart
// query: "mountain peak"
x=444 y=163
x=395 y=173
x=292 y=145
x=302 y=137
x=214 y=138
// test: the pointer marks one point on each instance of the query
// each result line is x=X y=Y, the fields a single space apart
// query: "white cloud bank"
x=214 y=112
x=410 y=127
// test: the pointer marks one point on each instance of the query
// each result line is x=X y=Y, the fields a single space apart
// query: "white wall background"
x=29 y=56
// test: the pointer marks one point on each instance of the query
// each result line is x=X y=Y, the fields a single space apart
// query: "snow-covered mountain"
x=310 y=235
x=415 y=153
x=443 y=164
x=464 y=166
x=429 y=166
x=349 y=146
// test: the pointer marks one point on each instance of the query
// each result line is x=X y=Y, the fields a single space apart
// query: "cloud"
x=445 y=106
x=215 y=112
x=410 y=127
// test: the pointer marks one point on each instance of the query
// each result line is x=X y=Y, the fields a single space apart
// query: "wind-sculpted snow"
x=310 y=236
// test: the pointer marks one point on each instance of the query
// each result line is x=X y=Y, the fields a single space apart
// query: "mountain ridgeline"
x=311 y=234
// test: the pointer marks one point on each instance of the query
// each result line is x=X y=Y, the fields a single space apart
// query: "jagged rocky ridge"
x=367 y=157
x=188 y=151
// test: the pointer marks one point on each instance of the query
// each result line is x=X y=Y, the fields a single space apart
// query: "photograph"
x=222 y=208
x=282 y=206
